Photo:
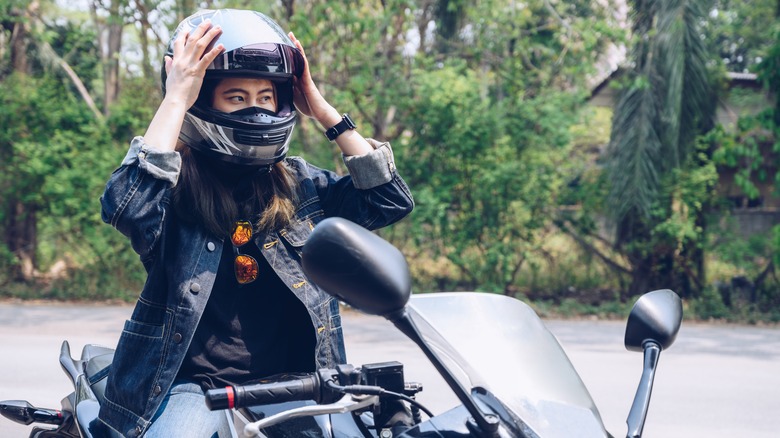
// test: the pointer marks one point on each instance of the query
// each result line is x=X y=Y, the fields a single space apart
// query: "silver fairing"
x=500 y=344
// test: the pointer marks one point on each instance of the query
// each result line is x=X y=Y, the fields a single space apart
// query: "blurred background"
x=569 y=153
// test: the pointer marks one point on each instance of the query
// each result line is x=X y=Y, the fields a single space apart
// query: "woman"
x=219 y=214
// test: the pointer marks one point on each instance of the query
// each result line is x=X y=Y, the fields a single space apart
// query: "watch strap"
x=339 y=128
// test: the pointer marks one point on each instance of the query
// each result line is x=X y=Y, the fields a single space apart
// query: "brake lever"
x=345 y=404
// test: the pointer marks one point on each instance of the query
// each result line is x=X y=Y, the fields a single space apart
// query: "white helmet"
x=255 y=46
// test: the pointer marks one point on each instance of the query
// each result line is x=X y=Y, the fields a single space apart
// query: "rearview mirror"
x=357 y=266
x=656 y=316
x=652 y=327
x=371 y=275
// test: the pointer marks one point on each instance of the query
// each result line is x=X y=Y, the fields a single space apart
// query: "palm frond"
x=659 y=115
x=682 y=59
x=698 y=109
x=633 y=150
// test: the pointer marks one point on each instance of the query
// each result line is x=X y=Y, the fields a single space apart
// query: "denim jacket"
x=181 y=261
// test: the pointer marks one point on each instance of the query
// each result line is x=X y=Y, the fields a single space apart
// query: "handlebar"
x=295 y=387
x=325 y=387
x=340 y=390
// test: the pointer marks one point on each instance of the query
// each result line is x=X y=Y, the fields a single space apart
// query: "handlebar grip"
x=306 y=387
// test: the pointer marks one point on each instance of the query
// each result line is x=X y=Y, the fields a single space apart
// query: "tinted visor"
x=260 y=59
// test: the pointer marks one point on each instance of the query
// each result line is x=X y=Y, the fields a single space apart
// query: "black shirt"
x=249 y=331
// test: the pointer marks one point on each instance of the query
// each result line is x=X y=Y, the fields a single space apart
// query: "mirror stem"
x=486 y=423
x=638 y=413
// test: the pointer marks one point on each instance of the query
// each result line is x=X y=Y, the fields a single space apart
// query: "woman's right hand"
x=185 y=76
x=190 y=59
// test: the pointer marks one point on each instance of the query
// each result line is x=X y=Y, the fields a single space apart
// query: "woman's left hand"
x=309 y=101
x=307 y=98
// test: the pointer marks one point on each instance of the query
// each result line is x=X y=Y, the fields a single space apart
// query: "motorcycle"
x=509 y=373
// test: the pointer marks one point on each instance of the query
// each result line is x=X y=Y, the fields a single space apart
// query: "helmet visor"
x=261 y=59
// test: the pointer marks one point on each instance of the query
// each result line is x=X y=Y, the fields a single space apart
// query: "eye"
x=235 y=99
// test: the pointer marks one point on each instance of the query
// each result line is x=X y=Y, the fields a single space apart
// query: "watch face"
x=350 y=123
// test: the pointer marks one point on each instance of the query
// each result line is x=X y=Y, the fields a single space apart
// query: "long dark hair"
x=215 y=197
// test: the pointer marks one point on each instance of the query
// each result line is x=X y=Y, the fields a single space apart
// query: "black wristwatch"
x=337 y=129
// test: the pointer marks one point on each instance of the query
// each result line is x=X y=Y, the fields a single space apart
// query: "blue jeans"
x=183 y=413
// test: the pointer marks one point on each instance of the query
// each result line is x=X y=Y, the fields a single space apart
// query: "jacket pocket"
x=148 y=319
x=296 y=234
x=138 y=359
x=136 y=328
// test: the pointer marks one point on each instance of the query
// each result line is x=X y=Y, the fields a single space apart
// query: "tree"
x=48 y=118
x=752 y=150
x=486 y=144
x=109 y=20
x=667 y=101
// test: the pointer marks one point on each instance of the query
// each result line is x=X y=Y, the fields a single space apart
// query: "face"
x=233 y=94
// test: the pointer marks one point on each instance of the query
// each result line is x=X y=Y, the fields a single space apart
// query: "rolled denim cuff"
x=372 y=169
x=161 y=165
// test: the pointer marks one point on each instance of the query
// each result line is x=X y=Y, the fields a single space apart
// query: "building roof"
x=742 y=76
x=735 y=78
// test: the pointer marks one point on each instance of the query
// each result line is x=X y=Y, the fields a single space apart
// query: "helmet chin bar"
x=262 y=165
x=262 y=146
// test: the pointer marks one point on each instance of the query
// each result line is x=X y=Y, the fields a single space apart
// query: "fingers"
x=191 y=47
x=202 y=40
x=210 y=56
x=178 y=43
x=297 y=43
x=295 y=40
x=299 y=46
x=202 y=28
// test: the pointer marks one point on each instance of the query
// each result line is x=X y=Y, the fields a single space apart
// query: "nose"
x=247 y=104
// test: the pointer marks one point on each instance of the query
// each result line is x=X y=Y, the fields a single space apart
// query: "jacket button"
x=210 y=246
x=138 y=430
x=157 y=390
x=195 y=288
x=176 y=339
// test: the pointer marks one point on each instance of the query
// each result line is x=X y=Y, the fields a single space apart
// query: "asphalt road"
x=716 y=381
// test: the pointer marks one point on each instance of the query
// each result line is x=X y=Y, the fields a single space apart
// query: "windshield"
x=500 y=344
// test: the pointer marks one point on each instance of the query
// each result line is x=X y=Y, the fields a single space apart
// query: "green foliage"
x=56 y=160
x=76 y=45
x=658 y=180
x=739 y=32
x=769 y=73
x=486 y=120
x=45 y=147
x=691 y=190
x=709 y=306
x=131 y=114
x=484 y=197
x=751 y=153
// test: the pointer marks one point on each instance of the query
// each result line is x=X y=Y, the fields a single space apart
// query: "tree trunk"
x=110 y=41
x=20 y=38
x=289 y=9
x=111 y=58
x=143 y=34
x=21 y=238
